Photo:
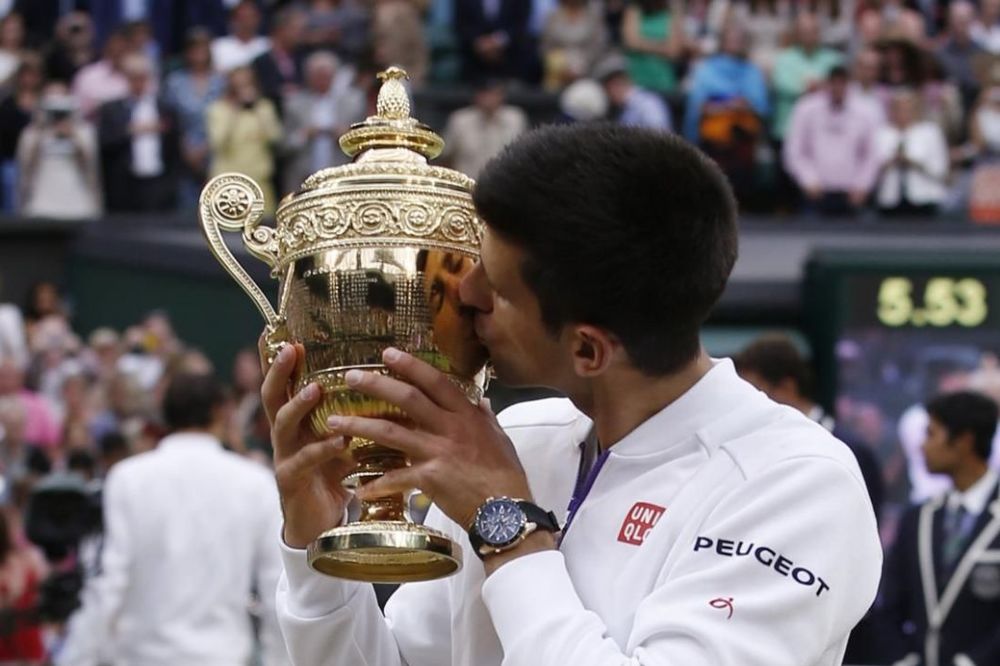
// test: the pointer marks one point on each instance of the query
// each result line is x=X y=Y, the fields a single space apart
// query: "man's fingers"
x=431 y=381
x=392 y=482
x=411 y=442
x=287 y=422
x=310 y=456
x=274 y=389
x=407 y=397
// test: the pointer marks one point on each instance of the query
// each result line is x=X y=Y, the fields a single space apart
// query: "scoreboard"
x=889 y=330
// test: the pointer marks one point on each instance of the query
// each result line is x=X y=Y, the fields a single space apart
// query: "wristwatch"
x=502 y=522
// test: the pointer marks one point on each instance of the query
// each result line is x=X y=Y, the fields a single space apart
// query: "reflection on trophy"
x=367 y=255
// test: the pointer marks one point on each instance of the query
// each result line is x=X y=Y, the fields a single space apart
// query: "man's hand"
x=459 y=456
x=308 y=472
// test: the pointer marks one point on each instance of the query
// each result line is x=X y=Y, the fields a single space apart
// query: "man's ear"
x=965 y=441
x=594 y=349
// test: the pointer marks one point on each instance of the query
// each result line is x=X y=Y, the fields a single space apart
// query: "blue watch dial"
x=500 y=521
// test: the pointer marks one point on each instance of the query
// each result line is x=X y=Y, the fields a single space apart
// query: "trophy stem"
x=383 y=545
x=374 y=461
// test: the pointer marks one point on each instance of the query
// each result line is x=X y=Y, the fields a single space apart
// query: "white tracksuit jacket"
x=726 y=530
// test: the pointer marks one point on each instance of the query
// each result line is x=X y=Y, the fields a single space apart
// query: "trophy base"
x=385 y=552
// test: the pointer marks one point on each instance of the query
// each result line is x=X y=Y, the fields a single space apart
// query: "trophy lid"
x=392 y=126
x=388 y=196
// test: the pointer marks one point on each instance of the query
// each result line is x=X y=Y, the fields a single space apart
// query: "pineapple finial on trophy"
x=393 y=101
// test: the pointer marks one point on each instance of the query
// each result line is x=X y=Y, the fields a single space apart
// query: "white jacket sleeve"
x=91 y=626
x=331 y=622
x=737 y=595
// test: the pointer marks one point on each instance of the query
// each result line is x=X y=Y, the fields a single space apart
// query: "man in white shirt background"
x=709 y=526
x=244 y=43
x=941 y=591
x=189 y=533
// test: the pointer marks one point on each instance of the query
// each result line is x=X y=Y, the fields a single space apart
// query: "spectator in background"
x=244 y=42
x=831 y=149
x=139 y=144
x=903 y=65
x=865 y=84
x=155 y=18
x=58 y=164
x=477 y=133
x=22 y=571
x=181 y=575
x=316 y=117
x=799 y=69
x=895 y=19
x=189 y=91
x=243 y=131
x=40 y=426
x=653 y=36
x=914 y=161
x=941 y=101
x=16 y=112
x=768 y=21
x=341 y=26
x=836 y=21
x=11 y=48
x=13 y=339
x=727 y=108
x=940 y=590
x=495 y=40
x=727 y=80
x=959 y=52
x=140 y=40
x=397 y=35
x=630 y=104
x=573 y=40
x=72 y=49
x=985 y=30
x=104 y=80
x=278 y=70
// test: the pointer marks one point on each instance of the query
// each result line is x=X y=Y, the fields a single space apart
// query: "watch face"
x=500 y=521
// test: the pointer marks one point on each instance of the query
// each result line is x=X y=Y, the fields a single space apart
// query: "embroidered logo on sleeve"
x=638 y=522
x=724 y=603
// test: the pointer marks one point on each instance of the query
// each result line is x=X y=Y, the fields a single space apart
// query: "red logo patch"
x=640 y=519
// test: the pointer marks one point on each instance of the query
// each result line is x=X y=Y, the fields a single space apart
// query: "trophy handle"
x=234 y=202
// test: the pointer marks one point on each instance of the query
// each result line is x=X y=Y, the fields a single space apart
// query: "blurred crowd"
x=70 y=410
x=815 y=107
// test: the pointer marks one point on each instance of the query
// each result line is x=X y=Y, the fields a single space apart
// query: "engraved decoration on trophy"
x=367 y=255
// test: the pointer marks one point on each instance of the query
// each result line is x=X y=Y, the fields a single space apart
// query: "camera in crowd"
x=63 y=514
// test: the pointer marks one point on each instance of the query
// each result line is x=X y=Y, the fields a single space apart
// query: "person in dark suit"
x=279 y=69
x=940 y=599
x=139 y=143
x=495 y=40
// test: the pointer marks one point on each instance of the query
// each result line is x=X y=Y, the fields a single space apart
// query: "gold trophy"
x=367 y=255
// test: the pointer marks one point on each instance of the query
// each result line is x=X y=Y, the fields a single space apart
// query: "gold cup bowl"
x=367 y=255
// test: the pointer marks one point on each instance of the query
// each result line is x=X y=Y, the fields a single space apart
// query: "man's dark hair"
x=967 y=411
x=775 y=357
x=191 y=400
x=633 y=230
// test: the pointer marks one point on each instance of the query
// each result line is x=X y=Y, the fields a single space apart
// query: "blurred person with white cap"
x=584 y=100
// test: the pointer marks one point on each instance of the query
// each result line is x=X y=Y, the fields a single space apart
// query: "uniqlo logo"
x=640 y=519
